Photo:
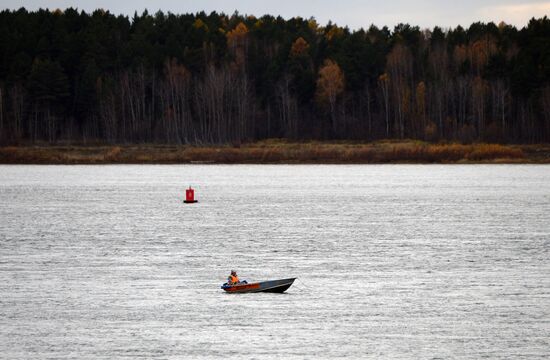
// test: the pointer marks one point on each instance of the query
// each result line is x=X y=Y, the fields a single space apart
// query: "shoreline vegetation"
x=68 y=76
x=278 y=151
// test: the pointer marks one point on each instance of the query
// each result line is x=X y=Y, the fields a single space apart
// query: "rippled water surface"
x=393 y=261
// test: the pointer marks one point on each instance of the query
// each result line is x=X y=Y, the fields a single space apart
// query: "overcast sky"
x=353 y=13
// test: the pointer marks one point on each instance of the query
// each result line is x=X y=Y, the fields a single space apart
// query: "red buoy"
x=190 y=196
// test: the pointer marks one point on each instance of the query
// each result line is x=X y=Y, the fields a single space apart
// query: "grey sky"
x=354 y=13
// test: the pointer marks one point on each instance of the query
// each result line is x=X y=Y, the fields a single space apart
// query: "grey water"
x=392 y=261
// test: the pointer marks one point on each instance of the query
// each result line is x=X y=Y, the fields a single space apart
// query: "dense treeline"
x=199 y=78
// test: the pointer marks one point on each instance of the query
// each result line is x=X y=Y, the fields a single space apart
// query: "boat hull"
x=271 y=286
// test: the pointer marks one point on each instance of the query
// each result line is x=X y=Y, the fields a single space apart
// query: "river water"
x=392 y=261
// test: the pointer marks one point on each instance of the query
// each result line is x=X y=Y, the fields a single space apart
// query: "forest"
x=67 y=76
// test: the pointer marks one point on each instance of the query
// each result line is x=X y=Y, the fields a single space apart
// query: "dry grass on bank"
x=280 y=151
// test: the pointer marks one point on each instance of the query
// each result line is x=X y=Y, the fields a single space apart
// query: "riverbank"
x=279 y=152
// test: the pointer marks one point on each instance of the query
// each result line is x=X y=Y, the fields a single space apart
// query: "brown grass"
x=280 y=151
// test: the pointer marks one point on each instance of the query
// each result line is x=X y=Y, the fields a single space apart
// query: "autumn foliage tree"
x=299 y=48
x=237 y=42
x=330 y=85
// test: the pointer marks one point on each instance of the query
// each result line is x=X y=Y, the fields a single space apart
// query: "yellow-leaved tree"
x=330 y=84
x=237 y=42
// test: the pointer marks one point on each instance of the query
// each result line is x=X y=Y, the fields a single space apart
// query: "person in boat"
x=233 y=279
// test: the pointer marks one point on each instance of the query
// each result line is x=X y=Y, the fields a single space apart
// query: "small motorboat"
x=272 y=286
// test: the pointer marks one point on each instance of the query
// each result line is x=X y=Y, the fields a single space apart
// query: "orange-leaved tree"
x=330 y=84
x=237 y=42
x=299 y=48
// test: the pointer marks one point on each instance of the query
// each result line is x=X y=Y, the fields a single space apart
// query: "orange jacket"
x=233 y=279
